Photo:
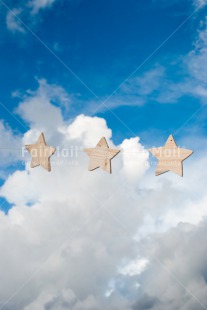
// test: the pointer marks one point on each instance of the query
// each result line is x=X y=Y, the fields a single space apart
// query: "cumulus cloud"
x=179 y=260
x=135 y=158
x=10 y=145
x=81 y=240
x=35 y=102
x=88 y=130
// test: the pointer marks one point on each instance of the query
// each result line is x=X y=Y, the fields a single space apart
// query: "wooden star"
x=101 y=155
x=170 y=157
x=41 y=153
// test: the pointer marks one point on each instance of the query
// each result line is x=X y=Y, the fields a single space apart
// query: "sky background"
x=135 y=72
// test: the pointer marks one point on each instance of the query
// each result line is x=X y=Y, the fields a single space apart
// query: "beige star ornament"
x=170 y=157
x=101 y=156
x=41 y=153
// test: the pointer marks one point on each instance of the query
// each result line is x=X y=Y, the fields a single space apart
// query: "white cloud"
x=36 y=103
x=28 y=10
x=134 y=267
x=196 y=59
x=10 y=145
x=179 y=263
x=37 y=5
x=135 y=158
x=200 y=3
x=12 y=21
x=80 y=227
x=88 y=130
x=145 y=84
x=65 y=299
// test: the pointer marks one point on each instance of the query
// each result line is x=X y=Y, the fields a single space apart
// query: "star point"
x=101 y=156
x=41 y=153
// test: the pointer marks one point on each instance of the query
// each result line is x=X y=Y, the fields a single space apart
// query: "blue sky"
x=102 y=42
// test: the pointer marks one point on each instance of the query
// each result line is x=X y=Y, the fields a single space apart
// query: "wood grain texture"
x=101 y=156
x=170 y=157
x=41 y=153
